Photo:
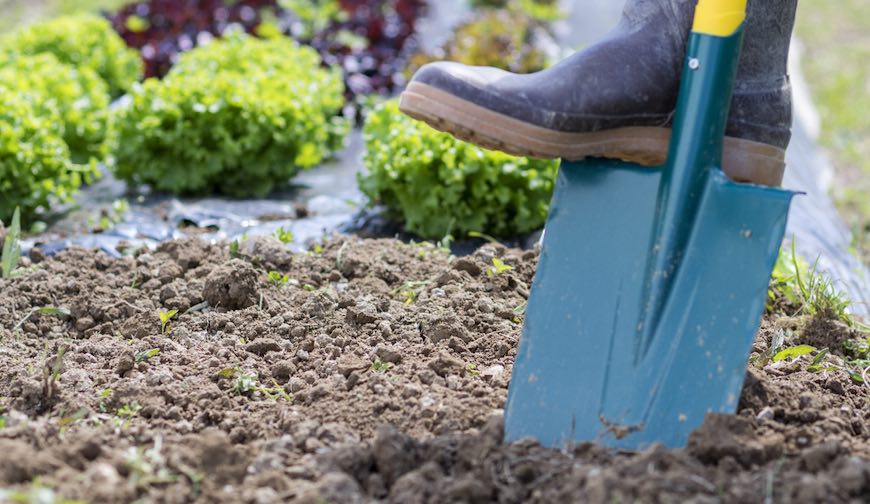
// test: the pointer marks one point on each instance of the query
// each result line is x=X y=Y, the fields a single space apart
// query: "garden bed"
x=373 y=371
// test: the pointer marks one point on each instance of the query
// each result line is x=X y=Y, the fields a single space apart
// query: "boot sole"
x=743 y=161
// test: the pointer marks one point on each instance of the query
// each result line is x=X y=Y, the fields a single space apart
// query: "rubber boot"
x=617 y=98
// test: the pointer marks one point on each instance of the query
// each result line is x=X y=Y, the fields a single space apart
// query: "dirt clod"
x=232 y=286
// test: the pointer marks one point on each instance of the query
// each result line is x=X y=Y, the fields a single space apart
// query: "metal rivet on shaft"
x=694 y=63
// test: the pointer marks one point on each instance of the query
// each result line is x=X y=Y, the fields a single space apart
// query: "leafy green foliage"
x=500 y=38
x=439 y=185
x=314 y=15
x=35 y=166
x=84 y=41
x=239 y=116
x=81 y=97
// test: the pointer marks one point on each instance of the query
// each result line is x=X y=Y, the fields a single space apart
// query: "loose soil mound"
x=375 y=371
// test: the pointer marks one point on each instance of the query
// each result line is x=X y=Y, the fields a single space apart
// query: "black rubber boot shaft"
x=631 y=77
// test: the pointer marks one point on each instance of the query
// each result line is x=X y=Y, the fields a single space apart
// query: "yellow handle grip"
x=719 y=17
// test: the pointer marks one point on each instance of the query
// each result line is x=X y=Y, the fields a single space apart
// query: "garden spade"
x=652 y=281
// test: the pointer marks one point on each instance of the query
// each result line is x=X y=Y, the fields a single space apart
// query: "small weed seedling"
x=148 y=467
x=484 y=236
x=379 y=366
x=45 y=310
x=35 y=493
x=104 y=395
x=246 y=384
x=236 y=248
x=410 y=291
x=471 y=370
x=126 y=413
x=285 y=236
x=147 y=355
x=12 y=247
x=498 y=267
x=278 y=279
x=166 y=321
x=51 y=374
x=793 y=352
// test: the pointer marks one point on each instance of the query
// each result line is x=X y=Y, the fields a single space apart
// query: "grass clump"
x=438 y=185
x=84 y=41
x=239 y=116
x=796 y=288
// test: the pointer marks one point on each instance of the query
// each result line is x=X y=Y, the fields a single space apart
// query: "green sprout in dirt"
x=148 y=467
x=309 y=287
x=45 y=310
x=278 y=279
x=51 y=372
x=146 y=355
x=128 y=411
x=248 y=383
x=472 y=370
x=498 y=267
x=36 y=493
x=798 y=289
x=379 y=366
x=104 y=395
x=410 y=291
x=166 y=321
x=245 y=384
x=855 y=365
x=12 y=247
x=285 y=236
x=236 y=248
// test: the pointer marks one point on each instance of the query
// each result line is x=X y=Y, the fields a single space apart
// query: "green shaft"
x=695 y=150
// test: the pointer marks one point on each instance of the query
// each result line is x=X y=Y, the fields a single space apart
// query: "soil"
x=374 y=371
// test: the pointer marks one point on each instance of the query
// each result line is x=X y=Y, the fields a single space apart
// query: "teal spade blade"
x=651 y=283
x=580 y=374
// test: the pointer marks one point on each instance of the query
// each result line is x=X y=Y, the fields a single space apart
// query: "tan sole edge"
x=743 y=160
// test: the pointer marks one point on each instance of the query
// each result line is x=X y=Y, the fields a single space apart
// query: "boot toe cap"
x=457 y=78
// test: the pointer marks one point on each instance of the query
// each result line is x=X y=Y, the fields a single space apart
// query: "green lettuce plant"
x=35 y=166
x=81 y=98
x=84 y=41
x=239 y=116
x=439 y=185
